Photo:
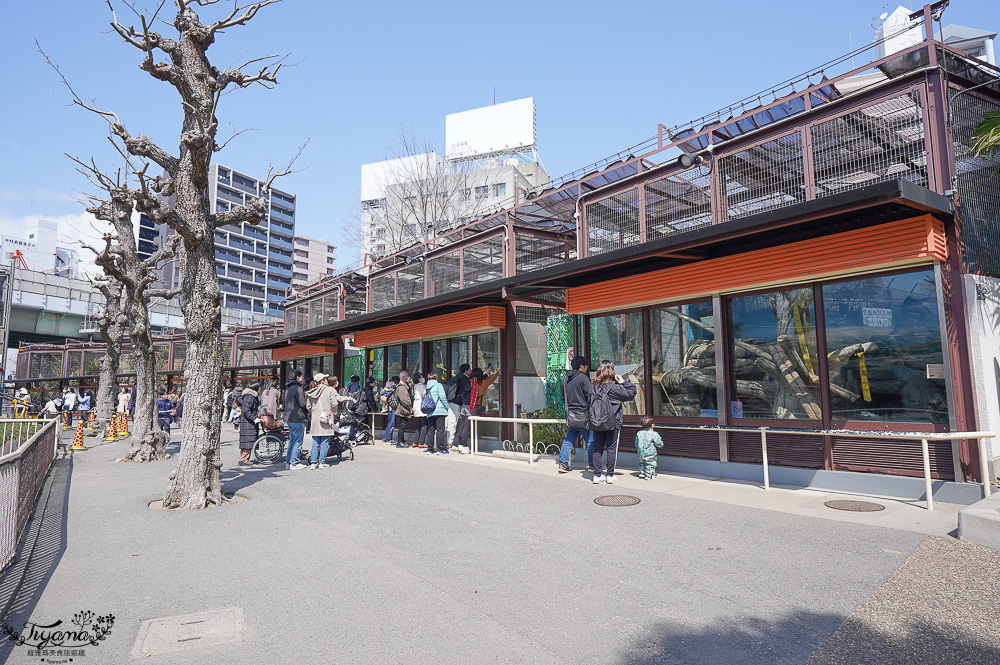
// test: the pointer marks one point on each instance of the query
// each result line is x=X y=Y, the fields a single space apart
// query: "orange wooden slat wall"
x=304 y=350
x=913 y=241
x=478 y=319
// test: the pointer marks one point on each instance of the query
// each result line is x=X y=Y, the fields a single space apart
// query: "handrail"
x=923 y=437
x=530 y=422
x=17 y=454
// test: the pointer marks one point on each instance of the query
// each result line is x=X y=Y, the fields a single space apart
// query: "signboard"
x=935 y=370
x=736 y=409
x=570 y=353
x=876 y=317
x=709 y=413
x=490 y=130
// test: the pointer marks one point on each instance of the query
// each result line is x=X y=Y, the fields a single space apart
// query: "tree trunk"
x=196 y=482
x=112 y=329
x=148 y=443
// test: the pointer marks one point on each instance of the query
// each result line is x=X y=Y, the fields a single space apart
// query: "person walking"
x=419 y=389
x=122 y=401
x=295 y=417
x=69 y=404
x=179 y=410
x=436 y=436
x=606 y=398
x=322 y=401
x=163 y=409
x=404 y=407
x=131 y=400
x=576 y=388
x=227 y=401
x=270 y=397
x=249 y=401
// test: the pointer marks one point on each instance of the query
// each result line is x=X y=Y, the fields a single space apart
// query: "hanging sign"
x=876 y=317
x=570 y=354
x=736 y=409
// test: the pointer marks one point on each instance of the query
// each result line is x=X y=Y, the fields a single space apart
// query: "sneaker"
x=287 y=466
x=296 y=467
x=314 y=465
x=463 y=450
x=429 y=452
x=596 y=480
x=441 y=452
x=564 y=469
x=322 y=465
x=610 y=480
x=590 y=468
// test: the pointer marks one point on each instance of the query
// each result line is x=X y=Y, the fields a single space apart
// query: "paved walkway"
x=399 y=557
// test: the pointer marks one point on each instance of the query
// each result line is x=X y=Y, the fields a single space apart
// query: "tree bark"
x=112 y=324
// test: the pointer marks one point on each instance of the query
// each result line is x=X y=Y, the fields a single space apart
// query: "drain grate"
x=191 y=631
x=855 y=506
x=617 y=500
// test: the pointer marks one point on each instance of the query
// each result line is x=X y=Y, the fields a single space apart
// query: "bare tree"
x=120 y=260
x=112 y=324
x=421 y=196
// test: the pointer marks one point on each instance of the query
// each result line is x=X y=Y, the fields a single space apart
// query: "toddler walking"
x=646 y=444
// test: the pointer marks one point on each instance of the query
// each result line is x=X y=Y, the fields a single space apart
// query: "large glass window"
x=395 y=360
x=488 y=359
x=618 y=338
x=439 y=358
x=773 y=364
x=682 y=352
x=413 y=358
x=884 y=348
x=461 y=349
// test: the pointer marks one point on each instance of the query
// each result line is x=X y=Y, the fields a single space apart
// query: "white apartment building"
x=312 y=260
x=47 y=247
x=410 y=199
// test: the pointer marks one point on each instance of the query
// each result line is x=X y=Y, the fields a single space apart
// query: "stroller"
x=352 y=429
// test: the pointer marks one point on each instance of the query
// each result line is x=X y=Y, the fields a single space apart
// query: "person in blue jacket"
x=437 y=443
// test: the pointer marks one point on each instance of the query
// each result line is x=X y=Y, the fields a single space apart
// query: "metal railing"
x=923 y=437
x=27 y=449
x=530 y=422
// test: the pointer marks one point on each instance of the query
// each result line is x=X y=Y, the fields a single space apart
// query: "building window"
x=482 y=191
x=301 y=264
x=618 y=338
x=302 y=253
x=301 y=241
x=395 y=360
x=774 y=364
x=330 y=249
x=500 y=189
x=682 y=354
x=409 y=200
x=331 y=260
x=331 y=271
x=884 y=351
x=302 y=277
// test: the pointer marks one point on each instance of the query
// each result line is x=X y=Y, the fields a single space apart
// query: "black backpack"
x=603 y=417
x=359 y=406
x=391 y=400
x=451 y=389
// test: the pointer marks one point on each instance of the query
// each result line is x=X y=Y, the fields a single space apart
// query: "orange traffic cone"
x=65 y=420
x=112 y=431
x=123 y=426
x=90 y=423
x=78 y=438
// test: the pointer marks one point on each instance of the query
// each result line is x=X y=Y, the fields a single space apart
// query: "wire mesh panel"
x=443 y=274
x=880 y=142
x=678 y=203
x=978 y=187
x=383 y=292
x=613 y=223
x=535 y=253
x=763 y=177
x=410 y=284
x=483 y=262
x=92 y=362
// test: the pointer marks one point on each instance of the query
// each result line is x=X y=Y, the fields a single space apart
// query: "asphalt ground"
x=400 y=557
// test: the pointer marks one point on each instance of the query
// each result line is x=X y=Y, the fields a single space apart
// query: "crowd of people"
x=594 y=413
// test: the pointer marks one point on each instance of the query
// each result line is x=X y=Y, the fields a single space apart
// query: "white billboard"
x=490 y=130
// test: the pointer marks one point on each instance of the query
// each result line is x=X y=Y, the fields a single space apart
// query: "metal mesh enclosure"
x=483 y=262
x=443 y=272
x=764 y=177
x=410 y=284
x=180 y=354
x=92 y=362
x=383 y=292
x=678 y=203
x=613 y=223
x=978 y=188
x=879 y=142
x=535 y=253
x=530 y=339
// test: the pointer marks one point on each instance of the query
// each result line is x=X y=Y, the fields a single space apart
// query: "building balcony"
x=279 y=270
x=280 y=241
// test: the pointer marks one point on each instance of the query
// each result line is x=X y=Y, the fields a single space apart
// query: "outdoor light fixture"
x=687 y=160
x=410 y=260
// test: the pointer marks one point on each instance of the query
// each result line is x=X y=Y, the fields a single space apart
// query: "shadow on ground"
x=41 y=549
x=790 y=641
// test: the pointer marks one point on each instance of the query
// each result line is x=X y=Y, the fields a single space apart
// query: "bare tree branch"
x=233 y=19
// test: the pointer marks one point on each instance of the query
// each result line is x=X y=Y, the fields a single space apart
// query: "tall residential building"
x=312 y=260
x=254 y=263
x=410 y=199
x=50 y=247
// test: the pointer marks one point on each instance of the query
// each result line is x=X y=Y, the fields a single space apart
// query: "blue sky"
x=602 y=75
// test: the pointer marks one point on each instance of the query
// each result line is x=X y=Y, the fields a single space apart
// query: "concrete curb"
x=980 y=522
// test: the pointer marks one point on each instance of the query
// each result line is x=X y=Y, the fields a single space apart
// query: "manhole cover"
x=190 y=631
x=855 y=506
x=616 y=500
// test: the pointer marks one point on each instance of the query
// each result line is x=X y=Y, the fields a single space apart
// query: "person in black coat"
x=606 y=397
x=249 y=403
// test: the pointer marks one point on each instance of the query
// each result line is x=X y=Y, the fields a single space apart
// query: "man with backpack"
x=576 y=397
x=457 y=390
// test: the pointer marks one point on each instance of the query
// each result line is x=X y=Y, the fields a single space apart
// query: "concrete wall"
x=982 y=295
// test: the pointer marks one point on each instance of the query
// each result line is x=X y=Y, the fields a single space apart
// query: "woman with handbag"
x=606 y=398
